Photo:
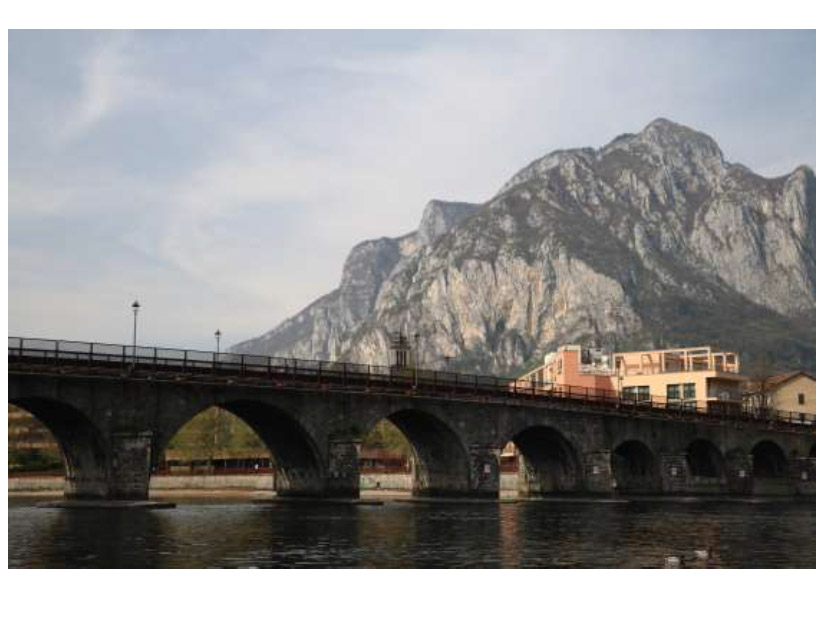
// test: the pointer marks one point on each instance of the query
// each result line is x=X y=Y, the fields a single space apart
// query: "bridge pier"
x=121 y=472
x=804 y=476
x=343 y=478
x=85 y=480
x=739 y=474
x=598 y=472
x=485 y=471
x=129 y=472
x=674 y=473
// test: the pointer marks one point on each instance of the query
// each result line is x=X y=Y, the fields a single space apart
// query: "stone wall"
x=385 y=481
x=158 y=482
x=36 y=484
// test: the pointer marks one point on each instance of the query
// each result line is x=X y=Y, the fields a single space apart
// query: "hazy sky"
x=222 y=177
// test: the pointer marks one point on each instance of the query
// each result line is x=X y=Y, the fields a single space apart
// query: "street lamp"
x=218 y=335
x=135 y=308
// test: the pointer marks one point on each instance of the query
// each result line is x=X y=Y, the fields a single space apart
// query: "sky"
x=221 y=177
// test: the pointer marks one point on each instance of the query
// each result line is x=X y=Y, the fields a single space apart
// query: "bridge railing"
x=152 y=360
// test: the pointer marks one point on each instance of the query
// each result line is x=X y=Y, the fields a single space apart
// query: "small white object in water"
x=703 y=554
x=673 y=562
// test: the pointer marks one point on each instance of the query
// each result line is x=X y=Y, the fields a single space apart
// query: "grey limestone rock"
x=653 y=239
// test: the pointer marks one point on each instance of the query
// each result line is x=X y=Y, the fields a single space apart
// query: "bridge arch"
x=635 y=468
x=298 y=462
x=81 y=442
x=441 y=460
x=705 y=459
x=548 y=462
x=768 y=460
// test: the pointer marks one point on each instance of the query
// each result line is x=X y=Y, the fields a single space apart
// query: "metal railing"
x=171 y=364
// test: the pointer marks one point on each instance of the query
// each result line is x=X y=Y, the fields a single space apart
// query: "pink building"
x=574 y=366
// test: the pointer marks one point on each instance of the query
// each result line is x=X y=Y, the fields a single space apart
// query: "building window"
x=689 y=391
x=643 y=394
x=801 y=399
x=629 y=393
x=673 y=391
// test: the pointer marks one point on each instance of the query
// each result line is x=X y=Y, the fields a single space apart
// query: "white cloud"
x=108 y=82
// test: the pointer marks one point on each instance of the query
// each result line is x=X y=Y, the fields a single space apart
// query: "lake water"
x=234 y=533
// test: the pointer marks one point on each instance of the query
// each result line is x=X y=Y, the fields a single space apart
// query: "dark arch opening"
x=216 y=442
x=296 y=462
x=81 y=445
x=705 y=460
x=813 y=451
x=440 y=459
x=634 y=468
x=768 y=460
x=547 y=462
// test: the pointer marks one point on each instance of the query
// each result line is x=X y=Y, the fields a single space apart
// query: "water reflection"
x=232 y=534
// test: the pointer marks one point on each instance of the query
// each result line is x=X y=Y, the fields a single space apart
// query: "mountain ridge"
x=616 y=243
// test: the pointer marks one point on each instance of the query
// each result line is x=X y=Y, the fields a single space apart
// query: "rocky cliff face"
x=652 y=239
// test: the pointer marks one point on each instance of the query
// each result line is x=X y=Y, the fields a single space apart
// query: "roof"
x=777 y=380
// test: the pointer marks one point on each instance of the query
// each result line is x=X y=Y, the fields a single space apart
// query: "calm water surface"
x=240 y=534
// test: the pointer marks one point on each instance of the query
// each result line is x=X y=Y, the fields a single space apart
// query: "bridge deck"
x=56 y=357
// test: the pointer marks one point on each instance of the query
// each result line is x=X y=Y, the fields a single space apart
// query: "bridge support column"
x=485 y=471
x=598 y=472
x=804 y=474
x=739 y=474
x=674 y=473
x=86 y=479
x=343 y=478
x=129 y=466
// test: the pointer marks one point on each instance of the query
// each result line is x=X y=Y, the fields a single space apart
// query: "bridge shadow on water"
x=564 y=534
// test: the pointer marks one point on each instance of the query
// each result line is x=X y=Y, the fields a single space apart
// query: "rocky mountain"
x=653 y=239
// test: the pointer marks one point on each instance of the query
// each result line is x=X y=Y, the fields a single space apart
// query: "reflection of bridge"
x=114 y=410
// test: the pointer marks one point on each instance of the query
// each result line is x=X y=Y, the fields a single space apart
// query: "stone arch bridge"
x=113 y=409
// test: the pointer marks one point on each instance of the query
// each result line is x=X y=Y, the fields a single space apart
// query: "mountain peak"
x=439 y=217
x=667 y=133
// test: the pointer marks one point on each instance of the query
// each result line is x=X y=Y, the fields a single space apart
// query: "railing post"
x=155 y=359
x=91 y=345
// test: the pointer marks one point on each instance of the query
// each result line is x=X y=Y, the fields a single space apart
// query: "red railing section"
x=170 y=364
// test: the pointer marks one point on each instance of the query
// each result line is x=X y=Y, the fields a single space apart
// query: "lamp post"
x=135 y=308
x=218 y=335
